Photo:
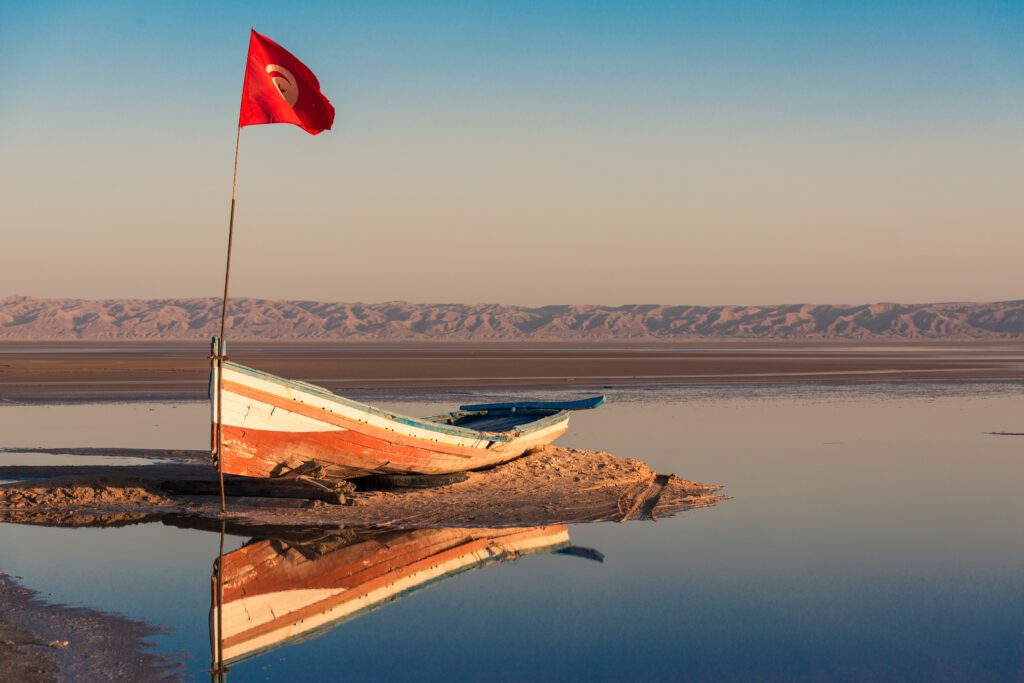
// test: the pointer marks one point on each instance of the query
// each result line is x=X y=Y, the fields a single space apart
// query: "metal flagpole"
x=223 y=326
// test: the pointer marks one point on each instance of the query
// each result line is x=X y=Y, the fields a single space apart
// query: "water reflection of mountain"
x=274 y=592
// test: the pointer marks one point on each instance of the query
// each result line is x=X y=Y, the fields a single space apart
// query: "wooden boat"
x=273 y=426
x=274 y=593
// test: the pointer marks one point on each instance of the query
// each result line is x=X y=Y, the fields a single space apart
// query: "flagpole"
x=269 y=94
x=223 y=328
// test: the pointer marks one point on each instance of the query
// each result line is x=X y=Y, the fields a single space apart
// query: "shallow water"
x=874 y=533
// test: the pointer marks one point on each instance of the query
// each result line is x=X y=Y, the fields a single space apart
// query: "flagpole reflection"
x=218 y=671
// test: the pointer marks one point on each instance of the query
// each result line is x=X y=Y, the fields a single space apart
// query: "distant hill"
x=27 y=318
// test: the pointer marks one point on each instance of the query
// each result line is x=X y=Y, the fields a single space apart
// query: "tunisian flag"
x=279 y=88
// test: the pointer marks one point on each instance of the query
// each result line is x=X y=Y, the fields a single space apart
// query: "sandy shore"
x=549 y=485
x=179 y=370
x=41 y=642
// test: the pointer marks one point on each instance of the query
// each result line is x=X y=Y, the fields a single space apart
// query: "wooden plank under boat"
x=272 y=426
x=274 y=593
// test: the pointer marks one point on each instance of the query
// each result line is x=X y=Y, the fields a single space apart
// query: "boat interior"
x=502 y=417
x=490 y=422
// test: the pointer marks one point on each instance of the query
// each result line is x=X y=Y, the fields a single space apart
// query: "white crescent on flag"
x=285 y=83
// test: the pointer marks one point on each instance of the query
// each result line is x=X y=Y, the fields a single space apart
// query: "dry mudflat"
x=180 y=370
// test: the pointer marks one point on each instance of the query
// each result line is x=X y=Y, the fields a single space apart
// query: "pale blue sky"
x=521 y=152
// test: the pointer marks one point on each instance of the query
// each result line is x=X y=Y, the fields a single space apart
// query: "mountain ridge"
x=40 y=319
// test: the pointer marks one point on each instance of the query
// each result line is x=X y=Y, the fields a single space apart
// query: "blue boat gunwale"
x=527 y=406
x=421 y=423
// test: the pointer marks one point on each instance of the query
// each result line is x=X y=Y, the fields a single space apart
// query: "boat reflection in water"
x=269 y=593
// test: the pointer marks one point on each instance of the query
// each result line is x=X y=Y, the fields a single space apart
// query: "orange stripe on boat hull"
x=262 y=453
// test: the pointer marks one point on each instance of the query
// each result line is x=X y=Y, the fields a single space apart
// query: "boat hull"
x=272 y=426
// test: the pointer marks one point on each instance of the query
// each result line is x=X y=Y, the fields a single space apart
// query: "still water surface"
x=874 y=533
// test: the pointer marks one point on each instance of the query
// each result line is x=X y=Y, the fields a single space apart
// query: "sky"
x=521 y=153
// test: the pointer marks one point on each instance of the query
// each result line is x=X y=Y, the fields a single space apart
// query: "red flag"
x=279 y=88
